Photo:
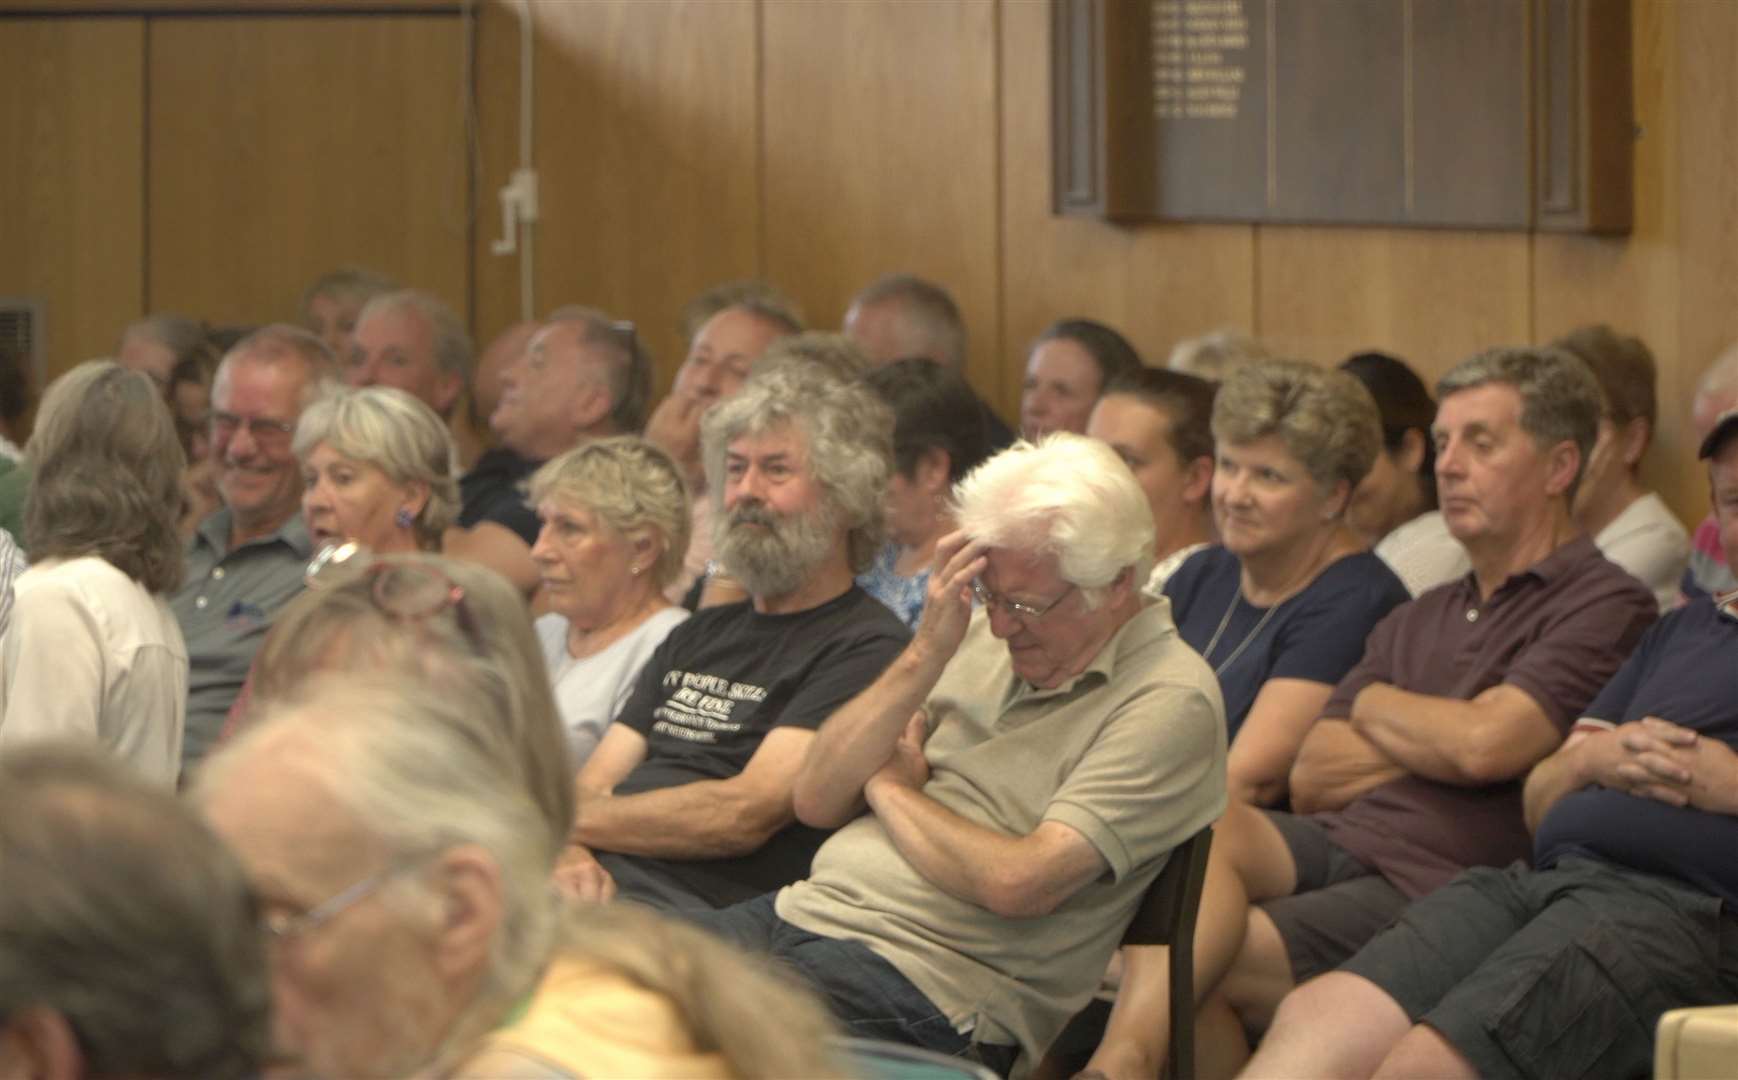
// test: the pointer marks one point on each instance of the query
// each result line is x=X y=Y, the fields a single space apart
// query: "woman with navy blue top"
x=1280 y=607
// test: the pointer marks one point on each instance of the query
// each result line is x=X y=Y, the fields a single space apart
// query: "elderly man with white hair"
x=1027 y=764
x=402 y=870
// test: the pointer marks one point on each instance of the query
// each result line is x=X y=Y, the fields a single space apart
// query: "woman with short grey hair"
x=1281 y=606
x=377 y=471
x=615 y=529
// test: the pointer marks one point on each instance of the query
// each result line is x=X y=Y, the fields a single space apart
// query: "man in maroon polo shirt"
x=1414 y=770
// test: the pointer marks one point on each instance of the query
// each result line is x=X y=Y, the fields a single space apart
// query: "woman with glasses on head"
x=431 y=621
x=92 y=647
x=1280 y=607
x=615 y=527
x=377 y=472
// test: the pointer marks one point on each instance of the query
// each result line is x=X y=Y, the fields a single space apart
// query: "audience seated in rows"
x=583 y=376
x=1012 y=784
x=130 y=943
x=1159 y=422
x=938 y=438
x=1067 y=368
x=1630 y=906
x=720 y=354
x=92 y=649
x=1413 y=771
x=1280 y=607
x=686 y=803
x=904 y=317
x=246 y=560
x=404 y=867
x=332 y=304
x=1393 y=509
x=1631 y=524
x=615 y=525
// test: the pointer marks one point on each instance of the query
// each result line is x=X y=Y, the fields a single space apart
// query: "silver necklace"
x=1225 y=620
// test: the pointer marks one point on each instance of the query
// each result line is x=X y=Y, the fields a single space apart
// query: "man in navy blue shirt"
x=1632 y=908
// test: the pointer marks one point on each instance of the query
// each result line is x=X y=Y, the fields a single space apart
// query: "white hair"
x=418 y=771
x=1067 y=496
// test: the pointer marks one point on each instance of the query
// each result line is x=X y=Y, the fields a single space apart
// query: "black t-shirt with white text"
x=724 y=679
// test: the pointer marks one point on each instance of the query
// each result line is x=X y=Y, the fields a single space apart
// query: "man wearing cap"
x=1632 y=908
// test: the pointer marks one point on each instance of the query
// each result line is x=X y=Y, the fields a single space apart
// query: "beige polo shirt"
x=1131 y=754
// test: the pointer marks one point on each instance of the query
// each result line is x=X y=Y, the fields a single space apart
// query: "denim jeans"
x=867 y=994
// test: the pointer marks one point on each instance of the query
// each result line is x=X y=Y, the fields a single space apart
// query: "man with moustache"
x=246 y=560
x=687 y=801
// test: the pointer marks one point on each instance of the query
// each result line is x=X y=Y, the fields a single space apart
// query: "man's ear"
x=1409 y=455
x=38 y=1044
x=473 y=906
x=593 y=408
x=447 y=389
x=1632 y=439
x=1198 y=479
x=1562 y=466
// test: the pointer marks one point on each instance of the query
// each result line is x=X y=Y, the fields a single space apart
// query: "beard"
x=773 y=554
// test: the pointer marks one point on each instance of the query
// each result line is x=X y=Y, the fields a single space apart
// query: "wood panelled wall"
x=216 y=163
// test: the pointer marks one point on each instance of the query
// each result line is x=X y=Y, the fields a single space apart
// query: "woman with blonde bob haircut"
x=615 y=529
x=377 y=470
x=1281 y=606
x=93 y=648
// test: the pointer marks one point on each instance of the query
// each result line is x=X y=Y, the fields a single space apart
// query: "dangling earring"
x=404 y=519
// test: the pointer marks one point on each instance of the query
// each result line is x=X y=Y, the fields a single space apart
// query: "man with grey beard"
x=686 y=803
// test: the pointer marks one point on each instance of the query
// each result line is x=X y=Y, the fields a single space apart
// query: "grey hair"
x=125 y=915
x=836 y=353
x=396 y=433
x=452 y=346
x=108 y=464
x=627 y=368
x=629 y=484
x=850 y=437
x=179 y=334
x=758 y=298
x=417 y=770
x=1216 y=355
x=1560 y=399
x=272 y=345
x=1067 y=496
x=1326 y=418
x=931 y=322
x=347 y=284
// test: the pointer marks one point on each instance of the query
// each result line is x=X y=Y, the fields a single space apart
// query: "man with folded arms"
x=1414 y=770
x=1564 y=970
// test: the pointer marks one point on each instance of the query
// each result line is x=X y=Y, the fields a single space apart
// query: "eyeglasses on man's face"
x=283 y=927
x=265 y=432
x=991 y=600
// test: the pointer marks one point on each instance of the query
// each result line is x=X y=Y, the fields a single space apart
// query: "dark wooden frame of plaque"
x=1499 y=114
